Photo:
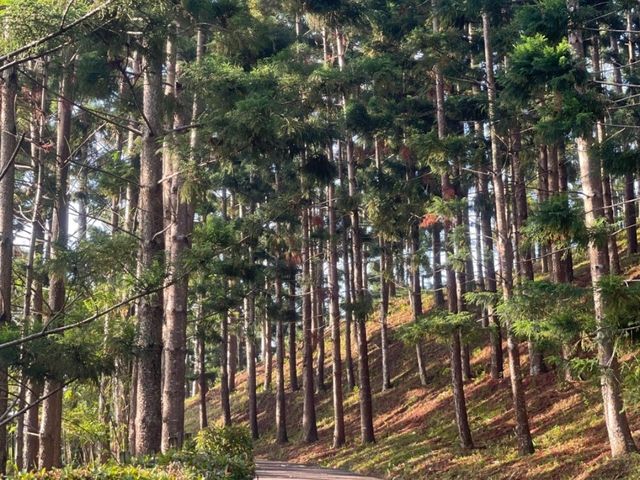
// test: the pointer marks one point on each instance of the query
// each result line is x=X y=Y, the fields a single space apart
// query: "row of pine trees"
x=190 y=187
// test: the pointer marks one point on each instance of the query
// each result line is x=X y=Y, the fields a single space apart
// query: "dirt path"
x=290 y=471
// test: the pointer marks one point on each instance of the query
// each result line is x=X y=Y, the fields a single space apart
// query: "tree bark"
x=348 y=314
x=178 y=232
x=620 y=439
x=232 y=359
x=7 y=185
x=293 y=366
x=51 y=424
x=309 y=426
x=334 y=313
x=148 y=413
x=225 y=399
x=490 y=284
x=364 y=380
x=505 y=254
x=281 y=412
x=385 y=263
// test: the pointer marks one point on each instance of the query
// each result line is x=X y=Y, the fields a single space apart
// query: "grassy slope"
x=416 y=431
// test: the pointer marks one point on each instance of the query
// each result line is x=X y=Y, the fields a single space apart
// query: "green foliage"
x=617 y=159
x=557 y=220
x=436 y=324
x=219 y=453
x=622 y=302
x=550 y=313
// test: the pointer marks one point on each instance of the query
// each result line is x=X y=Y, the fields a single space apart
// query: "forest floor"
x=416 y=434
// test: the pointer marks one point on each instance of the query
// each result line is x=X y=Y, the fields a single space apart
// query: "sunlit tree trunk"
x=293 y=346
x=505 y=254
x=448 y=192
x=51 y=424
x=334 y=313
x=148 y=413
x=364 y=380
x=7 y=184
x=309 y=426
x=620 y=439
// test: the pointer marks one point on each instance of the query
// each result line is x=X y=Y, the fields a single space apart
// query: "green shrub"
x=218 y=453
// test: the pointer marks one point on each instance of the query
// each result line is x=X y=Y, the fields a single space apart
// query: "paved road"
x=289 y=471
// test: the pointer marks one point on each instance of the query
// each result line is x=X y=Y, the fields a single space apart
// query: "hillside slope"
x=416 y=431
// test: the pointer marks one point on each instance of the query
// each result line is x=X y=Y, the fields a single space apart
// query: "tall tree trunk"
x=438 y=290
x=348 y=298
x=620 y=438
x=232 y=358
x=148 y=413
x=364 y=380
x=543 y=195
x=462 y=421
x=319 y=309
x=281 y=412
x=132 y=193
x=33 y=299
x=7 y=184
x=309 y=426
x=416 y=297
x=267 y=352
x=203 y=386
x=334 y=313
x=51 y=425
x=178 y=228
x=293 y=320
x=250 y=346
x=385 y=282
x=505 y=254
x=225 y=399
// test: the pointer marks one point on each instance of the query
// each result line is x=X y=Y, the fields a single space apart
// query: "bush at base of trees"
x=217 y=453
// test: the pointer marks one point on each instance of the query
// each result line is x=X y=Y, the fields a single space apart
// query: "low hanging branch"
x=61 y=31
x=51 y=331
x=5 y=419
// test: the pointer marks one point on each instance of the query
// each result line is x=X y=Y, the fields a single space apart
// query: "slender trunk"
x=543 y=195
x=132 y=192
x=319 y=297
x=438 y=290
x=7 y=184
x=505 y=254
x=334 y=313
x=630 y=214
x=232 y=359
x=620 y=439
x=225 y=399
x=33 y=299
x=416 y=297
x=464 y=431
x=463 y=278
x=201 y=364
x=525 y=270
x=293 y=366
x=51 y=425
x=348 y=314
x=364 y=380
x=250 y=346
x=268 y=353
x=309 y=427
x=490 y=284
x=281 y=413
x=385 y=263
x=448 y=192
